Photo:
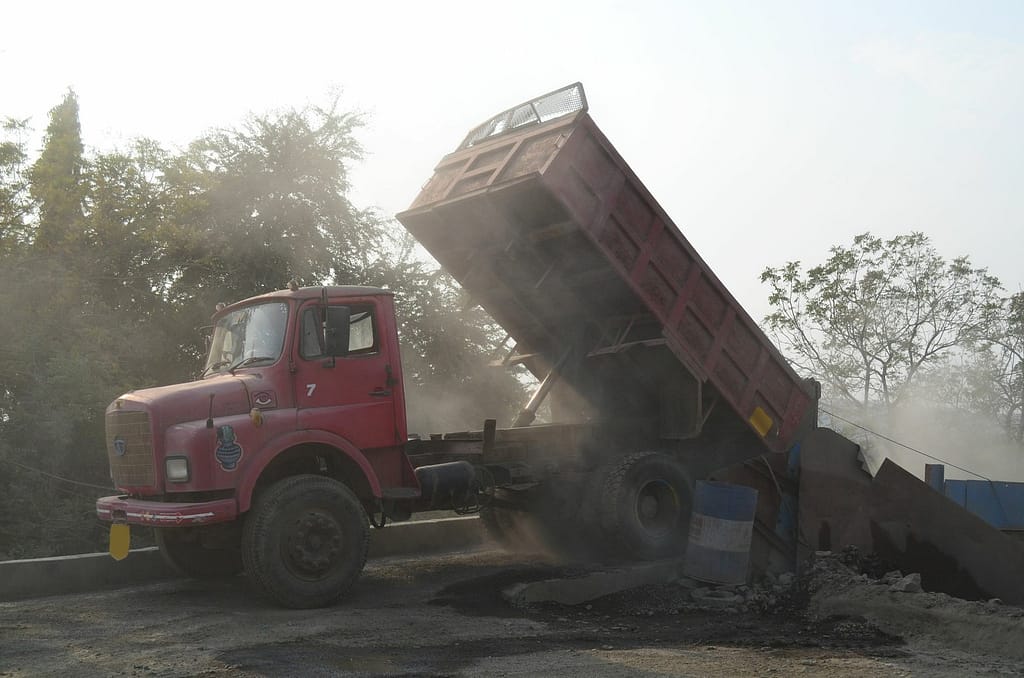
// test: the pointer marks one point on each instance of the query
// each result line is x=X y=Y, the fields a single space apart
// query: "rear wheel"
x=305 y=541
x=201 y=552
x=645 y=507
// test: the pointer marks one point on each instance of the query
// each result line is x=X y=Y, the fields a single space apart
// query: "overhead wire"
x=60 y=478
x=905 y=446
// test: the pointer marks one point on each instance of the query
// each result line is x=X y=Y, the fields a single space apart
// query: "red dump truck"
x=294 y=440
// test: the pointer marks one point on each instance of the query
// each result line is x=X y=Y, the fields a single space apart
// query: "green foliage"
x=123 y=236
x=56 y=179
x=57 y=373
x=996 y=373
x=878 y=313
x=266 y=203
x=15 y=205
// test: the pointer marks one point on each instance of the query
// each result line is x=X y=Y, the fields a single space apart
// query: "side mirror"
x=336 y=331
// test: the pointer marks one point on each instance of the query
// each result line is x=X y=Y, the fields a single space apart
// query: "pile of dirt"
x=845 y=584
x=766 y=614
x=839 y=600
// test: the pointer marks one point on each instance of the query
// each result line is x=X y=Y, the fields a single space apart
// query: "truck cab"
x=303 y=381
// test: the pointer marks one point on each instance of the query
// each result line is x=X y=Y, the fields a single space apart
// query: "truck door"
x=351 y=396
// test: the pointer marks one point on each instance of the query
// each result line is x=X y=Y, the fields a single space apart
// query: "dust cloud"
x=438 y=409
x=444 y=406
x=967 y=440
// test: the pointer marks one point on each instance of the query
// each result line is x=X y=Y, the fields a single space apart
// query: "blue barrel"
x=721 y=528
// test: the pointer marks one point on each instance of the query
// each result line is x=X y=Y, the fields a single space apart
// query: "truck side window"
x=362 y=337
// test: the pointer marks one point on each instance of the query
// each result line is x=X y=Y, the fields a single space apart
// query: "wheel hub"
x=648 y=507
x=657 y=506
x=315 y=545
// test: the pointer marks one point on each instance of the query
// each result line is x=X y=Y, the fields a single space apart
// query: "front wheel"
x=645 y=507
x=201 y=552
x=305 y=541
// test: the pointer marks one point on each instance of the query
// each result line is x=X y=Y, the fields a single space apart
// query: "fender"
x=269 y=452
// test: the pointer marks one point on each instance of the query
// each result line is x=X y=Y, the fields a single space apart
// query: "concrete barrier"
x=20 y=579
x=85 y=572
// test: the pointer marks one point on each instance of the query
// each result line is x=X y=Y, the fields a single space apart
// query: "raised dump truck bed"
x=545 y=225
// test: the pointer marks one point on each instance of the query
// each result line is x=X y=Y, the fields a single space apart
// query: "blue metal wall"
x=998 y=503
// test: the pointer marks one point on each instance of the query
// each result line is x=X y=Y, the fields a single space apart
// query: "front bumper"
x=123 y=509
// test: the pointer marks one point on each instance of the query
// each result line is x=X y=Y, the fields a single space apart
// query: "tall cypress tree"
x=56 y=182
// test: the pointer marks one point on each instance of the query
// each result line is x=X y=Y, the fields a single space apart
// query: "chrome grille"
x=134 y=468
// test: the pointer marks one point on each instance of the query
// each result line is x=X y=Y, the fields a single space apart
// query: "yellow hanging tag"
x=120 y=541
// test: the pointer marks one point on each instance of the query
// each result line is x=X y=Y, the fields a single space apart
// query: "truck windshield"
x=253 y=335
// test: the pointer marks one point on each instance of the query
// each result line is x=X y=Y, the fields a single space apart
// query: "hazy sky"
x=769 y=131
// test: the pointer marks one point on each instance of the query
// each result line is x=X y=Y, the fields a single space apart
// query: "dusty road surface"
x=443 y=615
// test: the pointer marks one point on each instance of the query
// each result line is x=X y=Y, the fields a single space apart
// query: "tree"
x=61 y=362
x=996 y=373
x=15 y=205
x=876 y=314
x=1010 y=343
x=267 y=202
x=126 y=206
x=56 y=179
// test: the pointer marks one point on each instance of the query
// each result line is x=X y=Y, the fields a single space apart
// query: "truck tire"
x=305 y=540
x=645 y=507
x=186 y=550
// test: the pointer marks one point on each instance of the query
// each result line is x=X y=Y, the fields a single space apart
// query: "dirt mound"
x=839 y=584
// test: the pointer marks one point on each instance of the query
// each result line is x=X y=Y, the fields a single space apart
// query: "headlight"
x=177 y=469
